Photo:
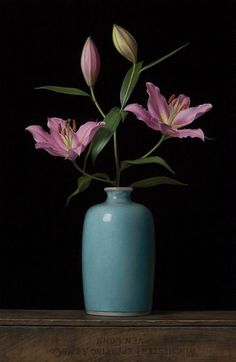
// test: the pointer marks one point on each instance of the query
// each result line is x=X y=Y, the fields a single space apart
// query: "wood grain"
x=73 y=336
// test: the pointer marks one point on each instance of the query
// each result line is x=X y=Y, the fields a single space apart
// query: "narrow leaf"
x=102 y=175
x=163 y=58
x=154 y=181
x=82 y=185
x=65 y=90
x=128 y=84
x=103 y=136
x=142 y=161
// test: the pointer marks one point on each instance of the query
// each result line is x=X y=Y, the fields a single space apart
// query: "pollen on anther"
x=184 y=106
x=74 y=127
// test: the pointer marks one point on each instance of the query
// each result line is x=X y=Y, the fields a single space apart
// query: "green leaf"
x=154 y=181
x=103 y=136
x=65 y=90
x=163 y=58
x=142 y=161
x=102 y=175
x=123 y=115
x=128 y=84
x=82 y=185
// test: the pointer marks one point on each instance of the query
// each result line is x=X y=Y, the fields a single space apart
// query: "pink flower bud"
x=125 y=43
x=90 y=62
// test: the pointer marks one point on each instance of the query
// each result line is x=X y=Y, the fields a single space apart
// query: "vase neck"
x=118 y=194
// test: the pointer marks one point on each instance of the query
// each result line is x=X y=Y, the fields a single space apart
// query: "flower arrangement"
x=167 y=117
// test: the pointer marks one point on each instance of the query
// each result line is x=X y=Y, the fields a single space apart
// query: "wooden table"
x=73 y=336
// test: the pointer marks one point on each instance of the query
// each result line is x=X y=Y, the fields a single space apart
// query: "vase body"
x=118 y=252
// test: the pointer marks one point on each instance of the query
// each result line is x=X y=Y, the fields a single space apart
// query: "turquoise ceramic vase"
x=118 y=253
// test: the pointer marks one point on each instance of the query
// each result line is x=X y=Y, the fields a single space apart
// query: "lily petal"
x=183 y=133
x=55 y=125
x=38 y=133
x=157 y=104
x=84 y=135
x=187 y=116
x=72 y=155
x=143 y=115
x=54 y=151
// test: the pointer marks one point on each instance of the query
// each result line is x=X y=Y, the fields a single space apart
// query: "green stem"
x=116 y=159
x=92 y=176
x=118 y=169
x=164 y=137
x=155 y=147
x=86 y=156
x=95 y=102
x=128 y=88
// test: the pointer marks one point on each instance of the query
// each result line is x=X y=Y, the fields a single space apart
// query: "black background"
x=41 y=43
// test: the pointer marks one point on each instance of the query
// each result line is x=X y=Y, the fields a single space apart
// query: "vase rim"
x=122 y=188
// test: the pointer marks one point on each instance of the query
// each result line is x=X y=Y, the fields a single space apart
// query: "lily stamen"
x=172 y=97
x=74 y=126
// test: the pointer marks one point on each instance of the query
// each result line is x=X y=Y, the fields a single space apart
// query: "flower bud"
x=125 y=43
x=90 y=62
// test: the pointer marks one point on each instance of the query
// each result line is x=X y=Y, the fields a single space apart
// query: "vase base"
x=117 y=314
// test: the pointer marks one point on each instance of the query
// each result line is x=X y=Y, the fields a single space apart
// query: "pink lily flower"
x=169 y=117
x=63 y=140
